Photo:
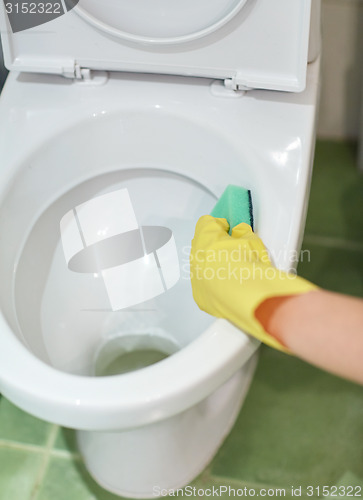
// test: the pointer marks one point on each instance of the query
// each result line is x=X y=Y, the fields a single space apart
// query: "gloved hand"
x=232 y=275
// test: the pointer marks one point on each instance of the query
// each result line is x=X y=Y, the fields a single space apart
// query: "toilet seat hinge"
x=235 y=83
x=81 y=73
x=85 y=76
x=74 y=71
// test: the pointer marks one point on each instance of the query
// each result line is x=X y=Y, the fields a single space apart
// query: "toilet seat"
x=248 y=44
x=163 y=23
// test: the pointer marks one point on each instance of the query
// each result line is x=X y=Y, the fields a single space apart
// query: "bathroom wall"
x=342 y=69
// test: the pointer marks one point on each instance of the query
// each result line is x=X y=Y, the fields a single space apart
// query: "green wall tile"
x=336 y=199
x=19 y=471
x=241 y=489
x=66 y=440
x=67 y=479
x=16 y=425
x=336 y=269
x=299 y=426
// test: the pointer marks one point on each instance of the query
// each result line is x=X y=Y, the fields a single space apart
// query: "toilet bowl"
x=118 y=350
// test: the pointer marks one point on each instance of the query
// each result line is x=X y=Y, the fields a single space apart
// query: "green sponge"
x=235 y=205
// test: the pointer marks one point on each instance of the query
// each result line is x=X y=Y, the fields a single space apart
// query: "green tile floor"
x=299 y=426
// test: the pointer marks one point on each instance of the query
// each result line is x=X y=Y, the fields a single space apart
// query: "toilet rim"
x=147 y=395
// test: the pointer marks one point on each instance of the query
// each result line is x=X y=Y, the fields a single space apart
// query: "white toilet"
x=122 y=120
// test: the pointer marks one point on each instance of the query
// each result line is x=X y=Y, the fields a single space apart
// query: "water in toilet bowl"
x=70 y=318
x=128 y=352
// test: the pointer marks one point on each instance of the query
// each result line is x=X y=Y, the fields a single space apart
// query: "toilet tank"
x=250 y=44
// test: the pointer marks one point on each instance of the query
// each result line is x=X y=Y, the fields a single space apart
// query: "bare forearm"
x=321 y=327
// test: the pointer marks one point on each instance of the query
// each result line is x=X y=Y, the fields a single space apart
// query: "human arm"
x=281 y=309
x=321 y=327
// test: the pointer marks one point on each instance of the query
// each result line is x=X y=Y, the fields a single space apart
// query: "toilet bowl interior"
x=73 y=310
x=65 y=317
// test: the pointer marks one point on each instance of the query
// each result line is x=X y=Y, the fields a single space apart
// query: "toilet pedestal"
x=146 y=461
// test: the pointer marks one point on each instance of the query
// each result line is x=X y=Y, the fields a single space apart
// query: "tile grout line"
x=14 y=445
x=331 y=242
x=66 y=454
x=47 y=455
x=4 y=443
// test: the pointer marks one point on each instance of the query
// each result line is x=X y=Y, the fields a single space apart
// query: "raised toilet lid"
x=249 y=43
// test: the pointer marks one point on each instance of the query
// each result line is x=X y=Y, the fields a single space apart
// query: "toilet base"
x=146 y=461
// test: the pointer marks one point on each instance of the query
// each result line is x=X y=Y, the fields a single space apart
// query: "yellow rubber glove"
x=232 y=275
